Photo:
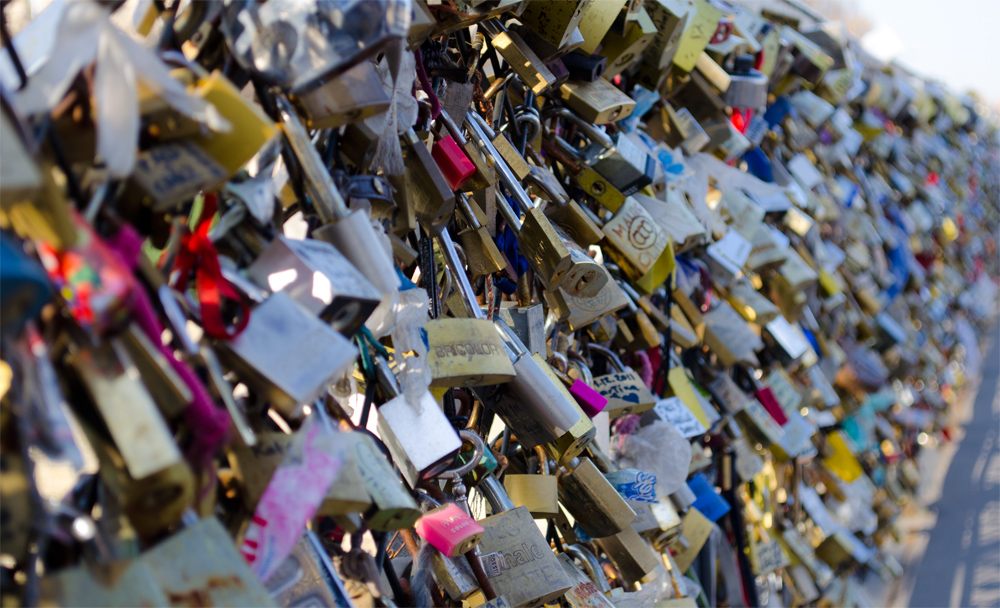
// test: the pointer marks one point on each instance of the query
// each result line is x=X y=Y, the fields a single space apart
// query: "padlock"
x=351 y=232
x=625 y=49
x=584 y=593
x=639 y=246
x=142 y=462
x=564 y=211
x=517 y=558
x=703 y=21
x=456 y=167
x=287 y=354
x=351 y=97
x=404 y=427
x=584 y=67
x=191 y=565
x=554 y=21
x=466 y=352
x=538 y=408
x=538 y=492
x=747 y=86
x=592 y=501
x=319 y=278
x=670 y=20
x=579 y=312
x=624 y=389
x=521 y=58
x=449 y=530
x=598 y=102
x=433 y=196
x=631 y=555
x=307 y=577
x=481 y=252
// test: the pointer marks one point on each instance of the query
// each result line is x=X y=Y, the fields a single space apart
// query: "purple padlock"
x=590 y=401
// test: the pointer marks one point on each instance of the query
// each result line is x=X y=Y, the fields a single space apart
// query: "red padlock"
x=454 y=164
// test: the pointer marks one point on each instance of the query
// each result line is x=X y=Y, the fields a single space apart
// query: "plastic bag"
x=660 y=449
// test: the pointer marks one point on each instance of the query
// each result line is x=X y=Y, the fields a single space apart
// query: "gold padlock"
x=466 y=352
x=352 y=96
x=555 y=20
x=592 y=501
x=623 y=388
x=640 y=246
x=624 y=50
x=598 y=102
x=539 y=493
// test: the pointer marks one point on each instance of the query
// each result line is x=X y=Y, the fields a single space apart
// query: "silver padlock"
x=747 y=86
x=406 y=427
x=319 y=278
x=287 y=355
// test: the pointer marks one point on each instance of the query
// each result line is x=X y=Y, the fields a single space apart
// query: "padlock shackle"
x=543 y=460
x=463 y=203
x=560 y=199
x=329 y=203
x=476 y=126
x=495 y=494
x=615 y=361
x=591 y=566
x=592 y=132
x=478 y=449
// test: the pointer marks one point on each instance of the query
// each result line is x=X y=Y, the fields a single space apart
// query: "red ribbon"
x=198 y=252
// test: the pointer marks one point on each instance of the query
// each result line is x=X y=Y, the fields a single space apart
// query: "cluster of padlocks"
x=473 y=302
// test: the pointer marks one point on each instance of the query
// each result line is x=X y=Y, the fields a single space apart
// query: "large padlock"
x=578 y=312
x=631 y=555
x=592 y=501
x=538 y=492
x=353 y=96
x=319 y=278
x=405 y=426
x=623 y=387
x=516 y=557
x=466 y=352
x=538 y=408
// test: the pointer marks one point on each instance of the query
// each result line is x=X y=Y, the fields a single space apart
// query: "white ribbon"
x=86 y=34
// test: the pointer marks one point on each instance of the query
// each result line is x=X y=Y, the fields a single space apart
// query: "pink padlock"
x=590 y=401
x=454 y=164
x=449 y=530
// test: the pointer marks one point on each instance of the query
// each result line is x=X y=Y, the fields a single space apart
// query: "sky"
x=957 y=41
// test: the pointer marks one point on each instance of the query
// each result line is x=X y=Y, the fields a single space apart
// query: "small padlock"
x=623 y=50
x=449 y=530
x=747 y=86
x=394 y=507
x=590 y=400
x=528 y=322
x=433 y=196
x=579 y=312
x=592 y=501
x=538 y=492
x=598 y=102
x=554 y=20
x=624 y=388
x=640 y=246
x=631 y=555
x=307 y=577
x=481 y=252
x=521 y=58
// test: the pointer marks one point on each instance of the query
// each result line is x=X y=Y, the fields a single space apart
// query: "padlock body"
x=449 y=530
x=466 y=352
x=593 y=501
x=405 y=428
x=539 y=493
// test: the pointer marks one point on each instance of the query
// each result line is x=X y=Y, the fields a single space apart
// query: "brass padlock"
x=143 y=464
x=640 y=246
x=598 y=102
x=564 y=211
x=585 y=592
x=631 y=555
x=555 y=20
x=307 y=577
x=592 y=501
x=528 y=322
x=624 y=389
x=538 y=408
x=394 y=507
x=670 y=18
x=433 y=198
x=624 y=49
x=481 y=252
x=466 y=352
x=516 y=557
x=579 y=312
x=538 y=492
x=520 y=57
